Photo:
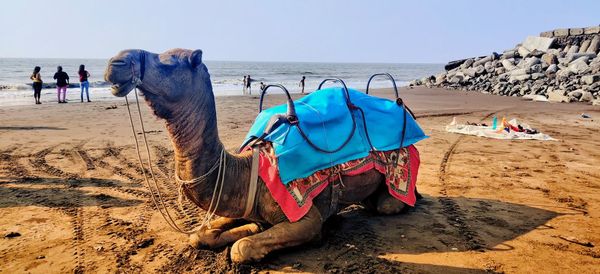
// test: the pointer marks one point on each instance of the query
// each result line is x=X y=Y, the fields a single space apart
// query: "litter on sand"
x=511 y=130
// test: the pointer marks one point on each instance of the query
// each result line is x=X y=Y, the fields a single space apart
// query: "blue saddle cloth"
x=327 y=121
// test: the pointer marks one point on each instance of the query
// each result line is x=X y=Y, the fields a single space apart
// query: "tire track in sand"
x=10 y=164
x=70 y=208
x=137 y=230
x=454 y=214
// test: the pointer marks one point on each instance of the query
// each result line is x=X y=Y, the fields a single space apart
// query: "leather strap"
x=253 y=184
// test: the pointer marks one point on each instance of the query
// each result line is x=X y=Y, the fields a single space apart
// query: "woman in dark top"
x=62 y=81
x=83 y=82
x=249 y=84
x=37 y=84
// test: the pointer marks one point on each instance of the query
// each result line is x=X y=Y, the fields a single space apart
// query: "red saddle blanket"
x=295 y=198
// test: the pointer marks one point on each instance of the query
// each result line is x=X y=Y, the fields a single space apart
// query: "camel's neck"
x=194 y=134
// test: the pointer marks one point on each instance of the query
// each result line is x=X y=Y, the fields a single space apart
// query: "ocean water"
x=226 y=76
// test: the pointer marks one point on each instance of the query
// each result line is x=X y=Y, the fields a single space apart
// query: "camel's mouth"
x=121 y=79
x=122 y=89
x=119 y=74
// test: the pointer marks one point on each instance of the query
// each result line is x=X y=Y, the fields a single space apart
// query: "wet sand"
x=71 y=187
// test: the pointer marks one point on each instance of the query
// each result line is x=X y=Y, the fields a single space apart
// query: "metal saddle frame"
x=291 y=118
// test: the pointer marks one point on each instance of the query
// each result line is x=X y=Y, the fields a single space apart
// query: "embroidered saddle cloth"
x=400 y=168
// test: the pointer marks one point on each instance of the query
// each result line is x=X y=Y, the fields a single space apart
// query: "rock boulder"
x=557 y=96
x=594 y=45
x=580 y=65
x=586 y=96
x=590 y=79
x=550 y=58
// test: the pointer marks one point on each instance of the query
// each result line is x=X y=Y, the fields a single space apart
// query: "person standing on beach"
x=262 y=86
x=249 y=84
x=62 y=81
x=83 y=82
x=37 y=84
x=244 y=85
x=301 y=84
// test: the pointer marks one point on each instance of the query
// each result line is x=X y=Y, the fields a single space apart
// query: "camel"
x=176 y=85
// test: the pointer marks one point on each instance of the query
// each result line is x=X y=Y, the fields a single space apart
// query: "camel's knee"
x=308 y=228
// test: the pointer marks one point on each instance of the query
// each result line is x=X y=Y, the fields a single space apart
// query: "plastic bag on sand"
x=488 y=132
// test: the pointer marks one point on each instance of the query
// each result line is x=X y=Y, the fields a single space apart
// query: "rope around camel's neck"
x=197 y=147
x=190 y=187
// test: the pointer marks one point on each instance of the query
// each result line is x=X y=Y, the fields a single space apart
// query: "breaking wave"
x=28 y=86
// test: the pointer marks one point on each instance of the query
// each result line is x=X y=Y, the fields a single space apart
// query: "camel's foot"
x=246 y=251
x=221 y=233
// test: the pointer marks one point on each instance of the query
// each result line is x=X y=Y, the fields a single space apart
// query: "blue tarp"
x=326 y=120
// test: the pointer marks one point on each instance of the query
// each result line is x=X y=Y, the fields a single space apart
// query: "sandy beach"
x=72 y=198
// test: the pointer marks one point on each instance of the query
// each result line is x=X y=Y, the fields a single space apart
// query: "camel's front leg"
x=223 y=231
x=281 y=235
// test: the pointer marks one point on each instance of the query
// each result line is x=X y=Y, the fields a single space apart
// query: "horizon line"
x=250 y=61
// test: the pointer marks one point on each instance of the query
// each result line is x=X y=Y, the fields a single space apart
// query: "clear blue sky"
x=280 y=30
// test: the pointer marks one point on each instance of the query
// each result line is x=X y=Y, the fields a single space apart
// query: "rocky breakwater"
x=562 y=65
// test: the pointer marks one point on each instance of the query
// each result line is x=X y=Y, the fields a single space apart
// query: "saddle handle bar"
x=386 y=75
x=291 y=110
x=338 y=80
x=292 y=118
x=399 y=100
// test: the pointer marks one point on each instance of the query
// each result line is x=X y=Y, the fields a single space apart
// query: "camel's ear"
x=196 y=58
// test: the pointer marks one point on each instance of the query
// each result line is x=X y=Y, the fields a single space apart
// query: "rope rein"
x=157 y=199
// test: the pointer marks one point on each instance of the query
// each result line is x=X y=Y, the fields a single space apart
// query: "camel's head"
x=166 y=80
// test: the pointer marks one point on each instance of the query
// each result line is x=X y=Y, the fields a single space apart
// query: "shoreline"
x=25 y=98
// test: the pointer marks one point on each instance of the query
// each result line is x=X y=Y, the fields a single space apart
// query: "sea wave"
x=27 y=86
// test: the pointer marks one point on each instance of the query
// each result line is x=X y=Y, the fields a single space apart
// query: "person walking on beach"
x=62 y=81
x=262 y=86
x=244 y=85
x=83 y=82
x=301 y=84
x=37 y=84
x=249 y=84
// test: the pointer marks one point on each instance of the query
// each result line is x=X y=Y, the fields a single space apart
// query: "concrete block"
x=561 y=32
x=592 y=30
x=548 y=34
x=575 y=31
x=540 y=43
x=584 y=46
x=593 y=48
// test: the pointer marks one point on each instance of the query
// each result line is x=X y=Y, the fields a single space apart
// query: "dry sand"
x=70 y=186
